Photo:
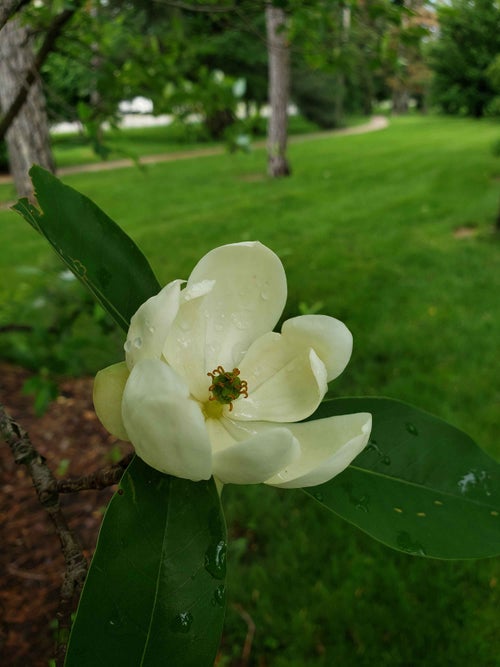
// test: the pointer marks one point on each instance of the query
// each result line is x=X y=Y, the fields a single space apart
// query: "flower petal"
x=165 y=426
x=150 y=324
x=246 y=301
x=108 y=392
x=183 y=351
x=327 y=447
x=286 y=381
x=255 y=459
x=330 y=339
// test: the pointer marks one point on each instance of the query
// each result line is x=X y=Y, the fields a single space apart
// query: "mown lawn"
x=367 y=230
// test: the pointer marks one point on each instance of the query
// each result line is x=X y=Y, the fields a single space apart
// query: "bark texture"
x=27 y=139
x=8 y=8
x=279 y=86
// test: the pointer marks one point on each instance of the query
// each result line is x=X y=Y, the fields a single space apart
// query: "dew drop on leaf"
x=406 y=544
x=182 y=622
x=411 y=428
x=215 y=559
x=219 y=595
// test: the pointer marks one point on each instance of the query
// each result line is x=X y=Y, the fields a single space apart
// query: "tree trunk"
x=27 y=139
x=279 y=85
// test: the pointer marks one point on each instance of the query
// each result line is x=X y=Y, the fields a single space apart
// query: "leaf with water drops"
x=155 y=593
x=421 y=486
x=98 y=252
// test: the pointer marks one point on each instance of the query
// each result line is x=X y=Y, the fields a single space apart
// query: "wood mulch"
x=74 y=443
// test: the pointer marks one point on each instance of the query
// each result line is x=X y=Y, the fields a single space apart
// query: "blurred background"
x=360 y=141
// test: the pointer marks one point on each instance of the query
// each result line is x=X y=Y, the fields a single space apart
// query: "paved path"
x=374 y=124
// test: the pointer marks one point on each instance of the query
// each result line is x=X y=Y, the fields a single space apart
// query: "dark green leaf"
x=420 y=486
x=98 y=252
x=154 y=595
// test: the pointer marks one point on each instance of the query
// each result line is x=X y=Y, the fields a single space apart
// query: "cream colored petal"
x=165 y=426
x=150 y=324
x=246 y=301
x=108 y=392
x=252 y=461
x=328 y=446
x=330 y=339
x=286 y=381
x=184 y=349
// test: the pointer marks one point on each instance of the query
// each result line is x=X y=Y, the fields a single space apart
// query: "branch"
x=9 y=8
x=46 y=488
x=53 y=33
x=97 y=480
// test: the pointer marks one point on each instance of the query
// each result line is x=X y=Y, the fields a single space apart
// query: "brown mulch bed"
x=74 y=443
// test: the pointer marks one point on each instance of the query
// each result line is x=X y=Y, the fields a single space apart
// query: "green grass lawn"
x=366 y=226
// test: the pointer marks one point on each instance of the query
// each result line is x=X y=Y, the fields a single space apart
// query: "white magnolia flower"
x=209 y=389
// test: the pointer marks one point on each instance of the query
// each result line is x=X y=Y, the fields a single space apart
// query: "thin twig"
x=100 y=479
x=247 y=646
x=46 y=488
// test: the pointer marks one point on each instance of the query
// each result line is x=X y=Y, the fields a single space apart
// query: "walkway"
x=374 y=124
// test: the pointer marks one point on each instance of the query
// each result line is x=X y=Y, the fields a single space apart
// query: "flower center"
x=227 y=386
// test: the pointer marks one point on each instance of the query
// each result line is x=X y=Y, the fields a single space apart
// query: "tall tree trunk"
x=279 y=86
x=27 y=139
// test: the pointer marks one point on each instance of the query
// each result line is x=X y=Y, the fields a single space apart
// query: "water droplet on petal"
x=151 y=330
x=411 y=428
x=138 y=342
x=182 y=622
x=128 y=346
x=264 y=296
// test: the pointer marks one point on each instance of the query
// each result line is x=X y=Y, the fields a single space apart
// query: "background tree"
x=279 y=90
x=27 y=137
x=468 y=42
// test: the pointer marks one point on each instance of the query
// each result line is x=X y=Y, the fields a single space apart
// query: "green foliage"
x=421 y=486
x=51 y=326
x=355 y=602
x=76 y=228
x=316 y=94
x=44 y=390
x=374 y=217
x=171 y=531
x=155 y=589
x=469 y=42
x=49 y=322
x=212 y=97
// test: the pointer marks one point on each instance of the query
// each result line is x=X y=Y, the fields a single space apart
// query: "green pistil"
x=227 y=386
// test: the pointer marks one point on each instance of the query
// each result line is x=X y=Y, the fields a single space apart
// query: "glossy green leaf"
x=421 y=486
x=94 y=247
x=154 y=594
